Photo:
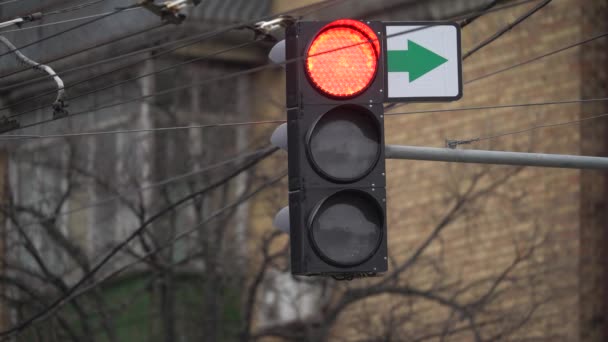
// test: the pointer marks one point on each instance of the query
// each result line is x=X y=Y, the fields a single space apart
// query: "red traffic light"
x=343 y=58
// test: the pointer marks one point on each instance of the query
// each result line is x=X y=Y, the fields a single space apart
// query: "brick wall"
x=558 y=209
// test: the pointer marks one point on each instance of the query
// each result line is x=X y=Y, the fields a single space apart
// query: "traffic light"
x=337 y=196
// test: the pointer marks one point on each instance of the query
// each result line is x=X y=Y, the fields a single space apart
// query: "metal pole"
x=495 y=157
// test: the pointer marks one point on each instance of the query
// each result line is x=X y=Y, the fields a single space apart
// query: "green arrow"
x=416 y=60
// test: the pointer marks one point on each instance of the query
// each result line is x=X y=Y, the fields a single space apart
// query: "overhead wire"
x=214 y=79
x=264 y=67
x=190 y=40
x=506 y=29
x=529 y=129
x=492 y=38
x=193 y=60
x=512 y=105
x=60 y=22
x=233 y=124
x=74 y=8
x=170 y=180
x=140 y=130
x=36 y=16
x=89 y=48
x=531 y=60
x=73 y=28
x=477 y=14
x=204 y=36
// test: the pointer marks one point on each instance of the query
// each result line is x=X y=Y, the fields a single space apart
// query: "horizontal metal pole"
x=495 y=157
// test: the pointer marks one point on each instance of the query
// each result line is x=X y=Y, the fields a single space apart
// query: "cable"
x=165 y=52
x=37 y=16
x=120 y=82
x=240 y=73
x=529 y=129
x=506 y=29
x=513 y=105
x=494 y=37
x=61 y=300
x=8 y=2
x=92 y=47
x=74 y=8
x=477 y=14
x=191 y=40
x=155 y=94
x=198 y=38
x=468 y=21
x=601 y=35
x=59 y=103
x=206 y=35
x=150 y=186
x=142 y=130
x=517 y=65
x=66 y=31
x=264 y=67
x=63 y=21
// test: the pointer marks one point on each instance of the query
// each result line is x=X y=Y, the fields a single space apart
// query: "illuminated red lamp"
x=343 y=58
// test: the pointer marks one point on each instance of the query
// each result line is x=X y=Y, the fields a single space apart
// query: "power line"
x=263 y=67
x=514 y=4
x=63 y=21
x=529 y=129
x=92 y=47
x=513 y=105
x=517 y=65
x=494 y=37
x=75 y=7
x=199 y=38
x=214 y=79
x=59 y=104
x=520 y=64
x=191 y=40
x=506 y=29
x=120 y=82
x=190 y=43
x=141 y=130
x=468 y=21
x=66 y=31
x=163 y=182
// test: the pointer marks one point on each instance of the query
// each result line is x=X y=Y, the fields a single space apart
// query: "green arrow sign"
x=416 y=60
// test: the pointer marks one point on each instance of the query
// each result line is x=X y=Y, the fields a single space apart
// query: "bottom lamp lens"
x=347 y=228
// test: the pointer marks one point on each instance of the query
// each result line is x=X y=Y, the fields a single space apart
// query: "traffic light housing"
x=337 y=196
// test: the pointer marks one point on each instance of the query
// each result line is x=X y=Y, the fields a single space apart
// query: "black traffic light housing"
x=337 y=196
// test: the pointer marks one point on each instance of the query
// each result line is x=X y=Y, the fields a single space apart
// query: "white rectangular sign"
x=423 y=62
